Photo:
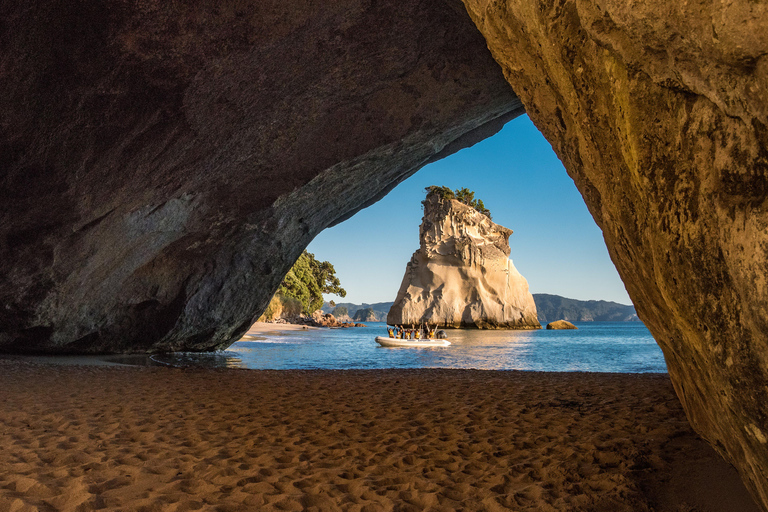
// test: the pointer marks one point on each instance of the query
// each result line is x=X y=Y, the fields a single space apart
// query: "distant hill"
x=549 y=308
x=380 y=309
x=554 y=307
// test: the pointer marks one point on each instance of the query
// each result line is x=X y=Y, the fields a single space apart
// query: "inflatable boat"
x=385 y=341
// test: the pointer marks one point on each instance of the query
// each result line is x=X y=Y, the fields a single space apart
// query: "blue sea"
x=623 y=347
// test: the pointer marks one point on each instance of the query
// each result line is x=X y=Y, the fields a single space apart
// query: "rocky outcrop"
x=317 y=319
x=561 y=324
x=163 y=164
x=320 y=319
x=461 y=275
x=367 y=315
x=659 y=111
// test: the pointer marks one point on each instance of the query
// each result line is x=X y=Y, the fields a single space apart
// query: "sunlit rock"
x=461 y=275
x=561 y=324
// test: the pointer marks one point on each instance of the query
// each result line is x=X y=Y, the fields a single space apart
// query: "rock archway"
x=162 y=165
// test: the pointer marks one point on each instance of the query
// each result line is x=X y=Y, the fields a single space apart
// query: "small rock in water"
x=561 y=324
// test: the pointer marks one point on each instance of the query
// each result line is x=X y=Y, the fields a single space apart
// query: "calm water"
x=625 y=347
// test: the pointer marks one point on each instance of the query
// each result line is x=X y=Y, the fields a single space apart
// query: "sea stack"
x=461 y=275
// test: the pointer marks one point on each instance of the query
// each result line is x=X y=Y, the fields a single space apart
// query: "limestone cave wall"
x=659 y=111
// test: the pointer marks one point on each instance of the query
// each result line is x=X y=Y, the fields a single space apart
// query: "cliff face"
x=659 y=112
x=462 y=276
x=163 y=164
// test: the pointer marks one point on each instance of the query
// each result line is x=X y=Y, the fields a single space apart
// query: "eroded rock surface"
x=659 y=111
x=163 y=164
x=461 y=275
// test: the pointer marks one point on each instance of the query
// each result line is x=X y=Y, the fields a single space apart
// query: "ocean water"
x=624 y=347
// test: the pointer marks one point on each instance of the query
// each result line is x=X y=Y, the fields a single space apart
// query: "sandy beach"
x=260 y=329
x=80 y=438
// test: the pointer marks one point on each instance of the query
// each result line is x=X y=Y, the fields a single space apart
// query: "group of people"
x=412 y=333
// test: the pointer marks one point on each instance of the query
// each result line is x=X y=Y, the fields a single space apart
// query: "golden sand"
x=79 y=438
x=259 y=330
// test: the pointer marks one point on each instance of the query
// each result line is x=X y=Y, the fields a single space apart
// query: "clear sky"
x=556 y=245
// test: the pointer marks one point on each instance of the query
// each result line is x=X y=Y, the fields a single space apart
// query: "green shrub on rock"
x=463 y=195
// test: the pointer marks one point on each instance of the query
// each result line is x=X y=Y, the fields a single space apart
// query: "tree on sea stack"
x=463 y=195
x=308 y=280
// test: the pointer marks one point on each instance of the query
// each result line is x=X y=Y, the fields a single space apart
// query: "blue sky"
x=556 y=245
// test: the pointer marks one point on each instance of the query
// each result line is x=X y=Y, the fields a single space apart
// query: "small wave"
x=264 y=341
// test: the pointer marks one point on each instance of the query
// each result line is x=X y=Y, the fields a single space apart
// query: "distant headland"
x=549 y=307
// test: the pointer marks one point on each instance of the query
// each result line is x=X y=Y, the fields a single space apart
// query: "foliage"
x=308 y=280
x=444 y=192
x=463 y=195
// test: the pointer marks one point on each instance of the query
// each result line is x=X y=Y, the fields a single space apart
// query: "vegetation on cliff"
x=463 y=195
x=308 y=280
x=303 y=287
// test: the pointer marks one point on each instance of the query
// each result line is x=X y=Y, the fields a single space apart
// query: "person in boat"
x=391 y=331
x=399 y=332
x=417 y=333
x=431 y=332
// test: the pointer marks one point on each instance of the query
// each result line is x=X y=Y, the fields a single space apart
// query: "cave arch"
x=157 y=158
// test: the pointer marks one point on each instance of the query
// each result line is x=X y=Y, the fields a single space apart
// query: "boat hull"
x=394 y=342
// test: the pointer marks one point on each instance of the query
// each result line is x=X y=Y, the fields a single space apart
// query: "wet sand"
x=79 y=438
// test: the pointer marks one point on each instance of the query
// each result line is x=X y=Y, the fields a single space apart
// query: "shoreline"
x=259 y=330
x=117 y=437
x=269 y=327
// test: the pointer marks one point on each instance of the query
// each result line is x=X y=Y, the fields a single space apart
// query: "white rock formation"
x=462 y=276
